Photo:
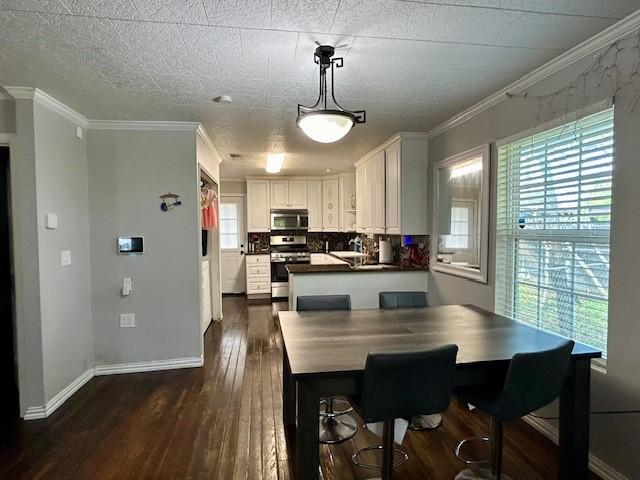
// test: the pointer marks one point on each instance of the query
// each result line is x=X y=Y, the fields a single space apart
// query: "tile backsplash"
x=415 y=254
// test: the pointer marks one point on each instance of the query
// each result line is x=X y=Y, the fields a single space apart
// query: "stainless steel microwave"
x=289 y=220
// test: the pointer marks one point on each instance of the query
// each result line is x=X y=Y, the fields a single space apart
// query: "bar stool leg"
x=387 y=449
x=496 y=448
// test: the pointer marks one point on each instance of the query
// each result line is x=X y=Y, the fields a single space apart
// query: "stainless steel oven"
x=286 y=249
x=289 y=220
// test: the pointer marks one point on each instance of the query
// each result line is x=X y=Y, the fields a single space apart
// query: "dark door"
x=8 y=372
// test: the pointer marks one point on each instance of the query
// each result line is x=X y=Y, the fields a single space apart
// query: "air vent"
x=235 y=155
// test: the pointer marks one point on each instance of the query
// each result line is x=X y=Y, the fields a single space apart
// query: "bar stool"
x=533 y=380
x=393 y=300
x=398 y=385
x=332 y=429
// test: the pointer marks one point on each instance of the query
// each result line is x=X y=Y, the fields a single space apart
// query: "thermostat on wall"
x=130 y=245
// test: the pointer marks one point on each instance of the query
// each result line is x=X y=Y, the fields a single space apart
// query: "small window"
x=229 y=226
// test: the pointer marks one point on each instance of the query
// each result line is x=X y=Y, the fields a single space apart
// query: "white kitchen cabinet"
x=258 y=206
x=298 y=194
x=258 y=275
x=393 y=203
x=279 y=194
x=314 y=205
x=347 y=210
x=331 y=205
x=391 y=187
x=288 y=194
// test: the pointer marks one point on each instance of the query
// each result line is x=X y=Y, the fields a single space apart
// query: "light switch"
x=79 y=132
x=126 y=286
x=65 y=258
x=51 y=221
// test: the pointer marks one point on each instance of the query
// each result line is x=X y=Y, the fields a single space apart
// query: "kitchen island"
x=330 y=275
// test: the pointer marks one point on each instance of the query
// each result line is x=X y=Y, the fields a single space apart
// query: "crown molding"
x=43 y=98
x=142 y=125
x=204 y=136
x=617 y=31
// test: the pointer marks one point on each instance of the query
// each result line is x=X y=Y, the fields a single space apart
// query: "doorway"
x=233 y=236
x=9 y=407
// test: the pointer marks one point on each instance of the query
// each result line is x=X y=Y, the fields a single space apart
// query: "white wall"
x=7 y=116
x=128 y=170
x=614 y=439
x=65 y=292
x=233 y=186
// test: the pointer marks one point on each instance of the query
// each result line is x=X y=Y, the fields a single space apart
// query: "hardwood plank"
x=224 y=421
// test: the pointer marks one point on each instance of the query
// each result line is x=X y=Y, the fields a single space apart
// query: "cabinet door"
x=258 y=209
x=378 y=193
x=360 y=189
x=298 y=194
x=392 y=194
x=330 y=205
x=314 y=205
x=279 y=194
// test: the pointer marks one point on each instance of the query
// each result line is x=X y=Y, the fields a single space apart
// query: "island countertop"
x=347 y=268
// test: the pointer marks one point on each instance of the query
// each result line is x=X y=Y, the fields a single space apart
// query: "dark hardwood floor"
x=223 y=421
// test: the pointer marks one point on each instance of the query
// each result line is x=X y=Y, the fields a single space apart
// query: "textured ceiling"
x=410 y=64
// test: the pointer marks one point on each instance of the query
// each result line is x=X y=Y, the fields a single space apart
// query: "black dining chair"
x=533 y=380
x=393 y=300
x=400 y=385
x=335 y=424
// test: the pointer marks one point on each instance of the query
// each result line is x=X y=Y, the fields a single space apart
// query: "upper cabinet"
x=391 y=186
x=314 y=205
x=331 y=205
x=258 y=206
x=288 y=194
x=348 y=202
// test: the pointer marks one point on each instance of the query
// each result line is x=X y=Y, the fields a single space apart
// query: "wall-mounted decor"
x=461 y=216
x=169 y=201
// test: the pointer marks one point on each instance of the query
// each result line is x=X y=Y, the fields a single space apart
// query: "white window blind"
x=552 y=232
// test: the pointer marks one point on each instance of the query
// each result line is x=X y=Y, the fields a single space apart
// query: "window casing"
x=552 y=231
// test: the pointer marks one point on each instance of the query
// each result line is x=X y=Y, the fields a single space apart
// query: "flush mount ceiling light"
x=274 y=162
x=319 y=122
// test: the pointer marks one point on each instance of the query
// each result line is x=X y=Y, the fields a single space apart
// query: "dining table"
x=325 y=353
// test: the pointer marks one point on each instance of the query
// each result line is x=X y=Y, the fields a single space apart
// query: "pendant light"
x=319 y=122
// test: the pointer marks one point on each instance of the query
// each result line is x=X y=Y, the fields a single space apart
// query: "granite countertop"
x=266 y=252
x=346 y=268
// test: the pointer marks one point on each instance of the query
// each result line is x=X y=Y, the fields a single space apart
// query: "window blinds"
x=552 y=232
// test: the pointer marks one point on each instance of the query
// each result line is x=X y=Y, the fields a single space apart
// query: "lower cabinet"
x=258 y=275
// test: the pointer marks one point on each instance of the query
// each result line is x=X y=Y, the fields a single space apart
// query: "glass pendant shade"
x=325 y=126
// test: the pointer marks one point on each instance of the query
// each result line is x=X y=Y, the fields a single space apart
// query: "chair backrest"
x=390 y=300
x=323 y=302
x=405 y=384
x=534 y=380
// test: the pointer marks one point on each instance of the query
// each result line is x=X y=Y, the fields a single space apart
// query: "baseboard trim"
x=43 y=411
x=597 y=466
x=35 y=413
x=152 y=366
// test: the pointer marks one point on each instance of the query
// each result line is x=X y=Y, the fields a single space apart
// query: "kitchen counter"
x=348 y=268
x=267 y=252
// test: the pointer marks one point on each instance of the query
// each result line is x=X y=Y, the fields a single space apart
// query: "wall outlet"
x=127 y=320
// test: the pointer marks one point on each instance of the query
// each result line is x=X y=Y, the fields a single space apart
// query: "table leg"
x=574 y=422
x=307 y=456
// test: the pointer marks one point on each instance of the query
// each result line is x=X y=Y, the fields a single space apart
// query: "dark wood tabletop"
x=326 y=343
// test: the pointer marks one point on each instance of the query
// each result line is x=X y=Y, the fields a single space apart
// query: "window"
x=228 y=225
x=462 y=225
x=552 y=232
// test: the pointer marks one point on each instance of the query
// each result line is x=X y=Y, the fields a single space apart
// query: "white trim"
x=151 y=366
x=34 y=413
x=142 y=125
x=597 y=466
x=202 y=133
x=603 y=39
x=570 y=117
x=7 y=138
x=37 y=95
